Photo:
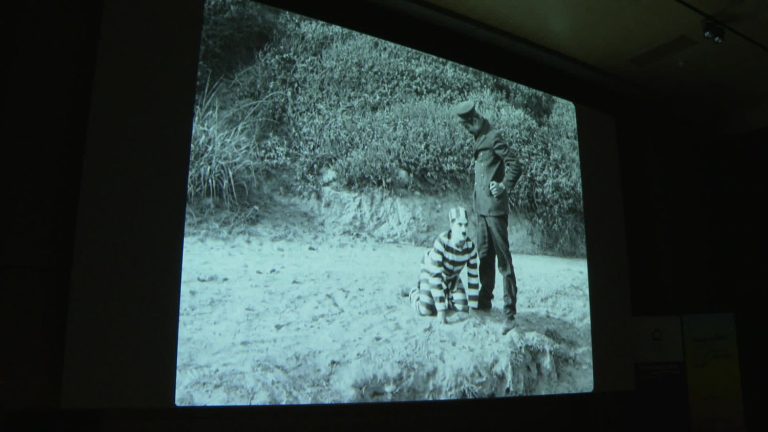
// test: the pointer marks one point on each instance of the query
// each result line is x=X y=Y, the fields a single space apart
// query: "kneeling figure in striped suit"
x=440 y=288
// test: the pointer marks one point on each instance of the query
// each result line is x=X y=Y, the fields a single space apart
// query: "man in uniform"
x=497 y=169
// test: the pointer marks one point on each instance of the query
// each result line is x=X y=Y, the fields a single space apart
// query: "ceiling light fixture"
x=714 y=32
x=721 y=25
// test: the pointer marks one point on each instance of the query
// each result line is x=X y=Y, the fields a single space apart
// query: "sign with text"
x=712 y=366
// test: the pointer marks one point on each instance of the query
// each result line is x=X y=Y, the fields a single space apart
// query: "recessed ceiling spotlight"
x=714 y=32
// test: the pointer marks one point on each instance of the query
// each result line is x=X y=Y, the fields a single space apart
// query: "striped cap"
x=457 y=213
x=464 y=109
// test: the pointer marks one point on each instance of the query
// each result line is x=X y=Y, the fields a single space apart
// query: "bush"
x=225 y=138
x=410 y=146
x=549 y=192
x=233 y=32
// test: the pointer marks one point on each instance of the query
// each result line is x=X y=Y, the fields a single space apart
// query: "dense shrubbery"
x=549 y=192
x=235 y=30
x=315 y=97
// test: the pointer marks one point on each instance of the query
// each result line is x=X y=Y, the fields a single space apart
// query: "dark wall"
x=694 y=202
x=694 y=221
x=49 y=60
x=694 y=215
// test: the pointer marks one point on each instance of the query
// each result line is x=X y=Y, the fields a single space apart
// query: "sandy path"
x=268 y=320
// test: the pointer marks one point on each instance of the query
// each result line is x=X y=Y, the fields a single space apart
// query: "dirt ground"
x=277 y=315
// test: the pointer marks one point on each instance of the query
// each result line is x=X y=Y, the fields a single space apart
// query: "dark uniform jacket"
x=494 y=160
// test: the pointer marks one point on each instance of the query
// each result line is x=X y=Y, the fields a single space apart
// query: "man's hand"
x=458 y=317
x=497 y=189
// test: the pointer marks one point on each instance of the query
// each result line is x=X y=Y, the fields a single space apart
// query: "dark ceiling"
x=655 y=47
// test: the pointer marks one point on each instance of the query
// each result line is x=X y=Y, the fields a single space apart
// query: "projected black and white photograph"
x=370 y=223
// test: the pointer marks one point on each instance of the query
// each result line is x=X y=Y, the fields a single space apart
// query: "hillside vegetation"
x=285 y=99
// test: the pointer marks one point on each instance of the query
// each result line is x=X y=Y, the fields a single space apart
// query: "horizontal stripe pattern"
x=440 y=271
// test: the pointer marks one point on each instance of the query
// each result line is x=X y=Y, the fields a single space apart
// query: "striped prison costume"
x=440 y=288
